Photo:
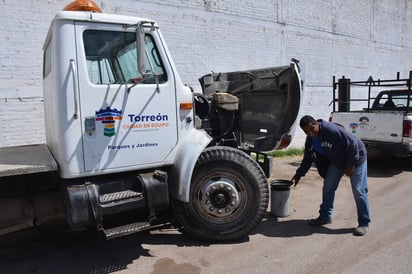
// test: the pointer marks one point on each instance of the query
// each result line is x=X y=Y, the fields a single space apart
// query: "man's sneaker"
x=319 y=221
x=360 y=230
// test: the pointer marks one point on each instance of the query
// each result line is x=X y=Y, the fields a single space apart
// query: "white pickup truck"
x=385 y=125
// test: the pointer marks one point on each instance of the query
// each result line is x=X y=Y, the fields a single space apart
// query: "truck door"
x=126 y=122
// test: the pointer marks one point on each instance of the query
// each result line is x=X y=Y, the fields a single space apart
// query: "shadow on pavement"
x=388 y=166
x=33 y=251
x=270 y=227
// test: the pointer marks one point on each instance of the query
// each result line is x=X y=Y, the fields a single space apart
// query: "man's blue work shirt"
x=316 y=145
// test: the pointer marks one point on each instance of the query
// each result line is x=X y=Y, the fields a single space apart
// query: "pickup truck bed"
x=381 y=132
x=385 y=125
x=378 y=126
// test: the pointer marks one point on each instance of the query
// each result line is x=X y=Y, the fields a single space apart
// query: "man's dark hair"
x=306 y=121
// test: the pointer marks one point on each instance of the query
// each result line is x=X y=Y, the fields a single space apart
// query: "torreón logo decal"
x=108 y=117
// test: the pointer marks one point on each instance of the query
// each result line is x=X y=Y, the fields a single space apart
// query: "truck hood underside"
x=269 y=102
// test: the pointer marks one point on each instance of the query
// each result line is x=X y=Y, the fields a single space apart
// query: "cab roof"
x=99 y=17
x=95 y=17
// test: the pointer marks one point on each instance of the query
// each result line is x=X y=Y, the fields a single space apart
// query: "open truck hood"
x=269 y=100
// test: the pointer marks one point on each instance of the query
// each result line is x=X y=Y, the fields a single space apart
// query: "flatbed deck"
x=19 y=160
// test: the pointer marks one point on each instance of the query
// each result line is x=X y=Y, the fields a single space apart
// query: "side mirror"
x=140 y=52
x=141 y=49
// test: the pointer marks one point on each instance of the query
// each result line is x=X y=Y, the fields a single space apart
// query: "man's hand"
x=349 y=171
x=295 y=179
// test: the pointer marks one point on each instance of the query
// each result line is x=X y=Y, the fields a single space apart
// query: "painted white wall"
x=338 y=37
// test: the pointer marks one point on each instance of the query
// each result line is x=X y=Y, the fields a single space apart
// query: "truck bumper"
x=397 y=149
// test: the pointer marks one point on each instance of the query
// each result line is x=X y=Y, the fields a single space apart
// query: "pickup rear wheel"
x=228 y=196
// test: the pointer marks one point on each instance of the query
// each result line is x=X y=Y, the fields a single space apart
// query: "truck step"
x=125 y=230
x=119 y=196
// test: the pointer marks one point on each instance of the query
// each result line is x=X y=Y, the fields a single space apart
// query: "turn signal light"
x=186 y=105
x=83 y=5
x=284 y=142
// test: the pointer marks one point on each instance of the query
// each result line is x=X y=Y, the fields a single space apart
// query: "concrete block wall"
x=337 y=37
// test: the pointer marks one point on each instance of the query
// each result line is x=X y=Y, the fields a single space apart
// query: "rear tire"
x=228 y=196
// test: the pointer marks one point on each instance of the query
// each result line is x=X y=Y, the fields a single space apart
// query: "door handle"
x=75 y=88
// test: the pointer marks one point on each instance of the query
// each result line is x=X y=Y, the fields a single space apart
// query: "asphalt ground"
x=277 y=245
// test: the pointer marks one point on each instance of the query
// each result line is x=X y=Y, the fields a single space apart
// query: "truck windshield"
x=112 y=58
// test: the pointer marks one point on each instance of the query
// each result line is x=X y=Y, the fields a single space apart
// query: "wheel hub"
x=219 y=198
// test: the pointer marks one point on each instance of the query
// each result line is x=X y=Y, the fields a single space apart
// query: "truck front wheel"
x=228 y=196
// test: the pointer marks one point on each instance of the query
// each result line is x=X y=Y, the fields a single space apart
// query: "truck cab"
x=102 y=114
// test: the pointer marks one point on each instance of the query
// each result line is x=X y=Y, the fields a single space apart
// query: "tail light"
x=407 y=128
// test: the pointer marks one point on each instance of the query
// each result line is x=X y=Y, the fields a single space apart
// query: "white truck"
x=384 y=123
x=130 y=147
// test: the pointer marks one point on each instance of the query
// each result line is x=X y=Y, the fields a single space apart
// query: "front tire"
x=228 y=196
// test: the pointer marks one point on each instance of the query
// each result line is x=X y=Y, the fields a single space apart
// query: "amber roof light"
x=82 y=5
